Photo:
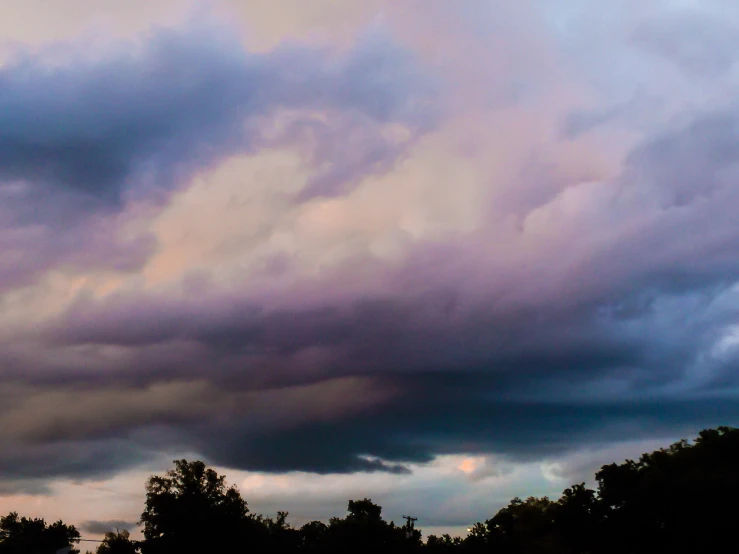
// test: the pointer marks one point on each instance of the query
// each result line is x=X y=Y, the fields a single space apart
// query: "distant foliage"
x=117 y=543
x=22 y=535
x=676 y=500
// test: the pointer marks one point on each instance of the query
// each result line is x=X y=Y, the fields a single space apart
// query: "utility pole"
x=409 y=525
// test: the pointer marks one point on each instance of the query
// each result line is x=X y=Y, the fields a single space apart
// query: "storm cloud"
x=94 y=526
x=362 y=258
x=89 y=126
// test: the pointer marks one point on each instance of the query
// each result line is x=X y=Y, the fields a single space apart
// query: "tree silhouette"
x=679 y=498
x=443 y=545
x=21 y=535
x=524 y=526
x=272 y=535
x=578 y=518
x=364 y=530
x=117 y=543
x=313 y=537
x=190 y=510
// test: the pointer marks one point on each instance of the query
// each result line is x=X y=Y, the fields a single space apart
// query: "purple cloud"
x=138 y=119
x=572 y=311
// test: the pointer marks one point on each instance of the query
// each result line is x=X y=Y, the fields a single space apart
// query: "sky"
x=437 y=254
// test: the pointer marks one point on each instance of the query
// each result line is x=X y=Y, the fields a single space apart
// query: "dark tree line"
x=680 y=499
x=22 y=535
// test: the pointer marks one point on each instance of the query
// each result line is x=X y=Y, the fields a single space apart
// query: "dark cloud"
x=30 y=466
x=434 y=416
x=81 y=136
x=97 y=125
x=434 y=426
x=470 y=371
x=42 y=229
x=102 y=527
x=147 y=115
x=12 y=485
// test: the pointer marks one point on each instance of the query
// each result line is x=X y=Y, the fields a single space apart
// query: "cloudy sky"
x=434 y=253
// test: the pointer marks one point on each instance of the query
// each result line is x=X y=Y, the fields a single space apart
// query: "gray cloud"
x=632 y=113
x=693 y=161
x=531 y=377
x=147 y=115
x=12 y=485
x=702 y=43
x=101 y=527
x=80 y=137
x=28 y=464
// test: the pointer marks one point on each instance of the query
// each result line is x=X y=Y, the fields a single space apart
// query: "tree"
x=117 y=543
x=578 y=519
x=21 y=535
x=364 y=530
x=443 y=545
x=273 y=535
x=313 y=536
x=524 y=526
x=191 y=510
x=364 y=511
x=677 y=499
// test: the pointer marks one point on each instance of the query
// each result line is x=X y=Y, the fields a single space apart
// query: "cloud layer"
x=449 y=236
